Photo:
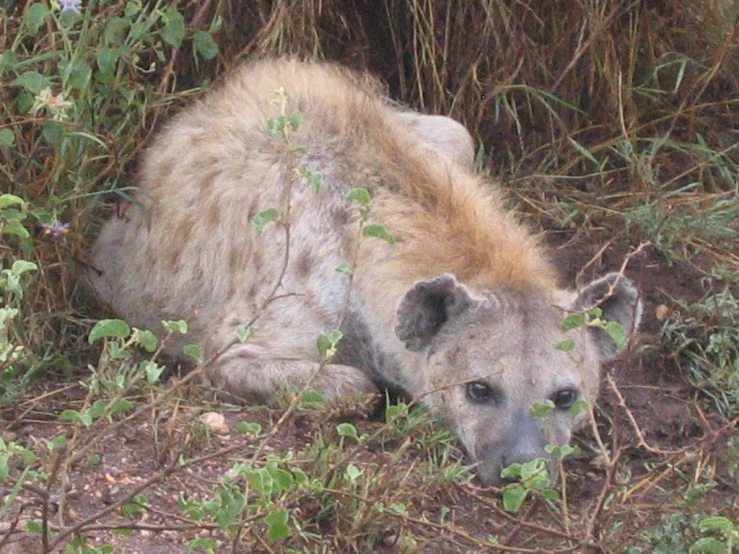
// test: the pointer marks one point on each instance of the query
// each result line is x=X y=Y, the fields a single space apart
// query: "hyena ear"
x=620 y=302
x=427 y=306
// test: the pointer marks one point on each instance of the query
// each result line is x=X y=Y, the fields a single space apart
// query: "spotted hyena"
x=462 y=310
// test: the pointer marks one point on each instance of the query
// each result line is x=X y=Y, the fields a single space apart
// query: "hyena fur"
x=462 y=311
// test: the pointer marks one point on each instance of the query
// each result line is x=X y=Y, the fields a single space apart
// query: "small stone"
x=662 y=312
x=216 y=422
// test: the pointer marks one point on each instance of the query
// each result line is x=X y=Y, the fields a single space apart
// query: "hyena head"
x=488 y=360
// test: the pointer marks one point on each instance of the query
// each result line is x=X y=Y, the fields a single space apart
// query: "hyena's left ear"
x=427 y=306
x=620 y=302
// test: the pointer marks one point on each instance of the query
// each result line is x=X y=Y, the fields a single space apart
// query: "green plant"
x=718 y=526
x=15 y=357
x=703 y=339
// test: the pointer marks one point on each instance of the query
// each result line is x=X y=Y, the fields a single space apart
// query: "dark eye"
x=564 y=399
x=480 y=392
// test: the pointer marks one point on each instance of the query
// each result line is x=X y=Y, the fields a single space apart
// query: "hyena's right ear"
x=427 y=306
x=619 y=301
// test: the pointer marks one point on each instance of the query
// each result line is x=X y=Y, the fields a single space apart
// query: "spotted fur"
x=464 y=299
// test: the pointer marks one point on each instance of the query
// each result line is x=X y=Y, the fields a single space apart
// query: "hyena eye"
x=564 y=399
x=481 y=393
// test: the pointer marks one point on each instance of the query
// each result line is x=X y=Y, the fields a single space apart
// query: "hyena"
x=461 y=311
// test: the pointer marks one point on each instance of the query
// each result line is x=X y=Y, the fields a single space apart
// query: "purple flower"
x=56 y=229
x=70 y=5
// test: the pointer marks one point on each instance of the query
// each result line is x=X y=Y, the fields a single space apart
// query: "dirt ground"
x=654 y=422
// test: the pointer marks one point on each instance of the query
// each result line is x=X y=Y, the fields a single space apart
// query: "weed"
x=703 y=340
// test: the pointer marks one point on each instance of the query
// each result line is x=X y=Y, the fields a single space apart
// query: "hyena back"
x=462 y=310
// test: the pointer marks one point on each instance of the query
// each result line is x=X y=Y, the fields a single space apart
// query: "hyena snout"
x=522 y=442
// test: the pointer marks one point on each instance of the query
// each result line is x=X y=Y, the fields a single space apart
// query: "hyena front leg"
x=282 y=355
x=250 y=378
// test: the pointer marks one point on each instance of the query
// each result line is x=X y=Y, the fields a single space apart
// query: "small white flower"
x=56 y=105
x=70 y=5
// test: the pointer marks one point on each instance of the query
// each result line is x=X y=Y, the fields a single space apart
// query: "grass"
x=614 y=124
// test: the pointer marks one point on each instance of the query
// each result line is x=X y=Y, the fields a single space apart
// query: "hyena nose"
x=524 y=442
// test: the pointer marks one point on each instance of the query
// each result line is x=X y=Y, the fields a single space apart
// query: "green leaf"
x=116 y=30
x=53 y=132
x=617 y=333
x=21 y=266
x=131 y=509
x=573 y=321
x=152 y=370
x=717 y=523
x=7 y=138
x=261 y=481
x=397 y=507
x=32 y=81
x=10 y=200
x=96 y=410
x=514 y=497
x=283 y=479
x=344 y=267
x=8 y=59
x=146 y=339
x=567 y=345
x=206 y=545
x=244 y=333
x=4 y=457
x=543 y=409
x=57 y=442
x=707 y=545
x=276 y=126
x=353 y=473
x=378 y=231
x=107 y=60
x=511 y=471
x=28 y=456
x=15 y=227
x=578 y=407
x=132 y=8
x=204 y=45
x=193 y=351
x=264 y=217
x=346 y=430
x=395 y=411
x=562 y=450
x=175 y=327
x=34 y=526
x=328 y=343
x=311 y=398
x=295 y=119
x=249 y=428
x=277 y=525
x=35 y=17
x=314 y=178
x=360 y=195
x=122 y=405
x=77 y=75
x=174 y=29
x=76 y=417
x=109 y=328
